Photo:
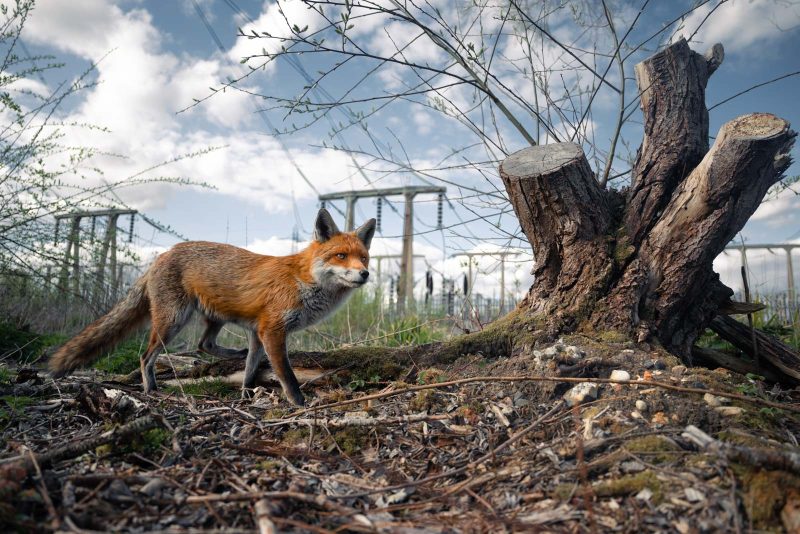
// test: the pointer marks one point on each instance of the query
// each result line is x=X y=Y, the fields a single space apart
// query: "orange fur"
x=226 y=283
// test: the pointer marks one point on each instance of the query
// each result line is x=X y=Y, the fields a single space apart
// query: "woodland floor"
x=486 y=456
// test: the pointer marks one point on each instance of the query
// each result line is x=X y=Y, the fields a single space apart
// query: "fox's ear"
x=365 y=232
x=324 y=228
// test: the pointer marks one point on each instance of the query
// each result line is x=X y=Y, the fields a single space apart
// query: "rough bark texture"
x=778 y=354
x=565 y=214
x=642 y=264
x=672 y=85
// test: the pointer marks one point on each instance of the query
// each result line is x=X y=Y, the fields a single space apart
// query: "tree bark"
x=565 y=215
x=640 y=261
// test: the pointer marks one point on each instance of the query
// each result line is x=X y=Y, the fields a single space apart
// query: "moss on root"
x=631 y=485
x=657 y=448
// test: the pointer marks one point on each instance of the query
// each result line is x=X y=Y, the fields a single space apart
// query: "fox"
x=270 y=296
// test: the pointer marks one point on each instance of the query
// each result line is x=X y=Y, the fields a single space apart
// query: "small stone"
x=573 y=351
x=636 y=414
x=712 y=400
x=537 y=354
x=551 y=351
x=632 y=466
x=641 y=405
x=645 y=495
x=153 y=487
x=694 y=495
x=678 y=369
x=583 y=392
x=619 y=374
x=729 y=411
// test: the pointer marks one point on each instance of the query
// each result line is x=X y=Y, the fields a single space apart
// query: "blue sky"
x=158 y=55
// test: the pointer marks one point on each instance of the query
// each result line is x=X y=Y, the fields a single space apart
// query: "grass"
x=213 y=387
x=124 y=358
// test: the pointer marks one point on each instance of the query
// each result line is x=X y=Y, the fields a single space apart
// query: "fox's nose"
x=364 y=274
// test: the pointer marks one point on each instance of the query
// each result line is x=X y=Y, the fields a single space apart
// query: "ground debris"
x=487 y=456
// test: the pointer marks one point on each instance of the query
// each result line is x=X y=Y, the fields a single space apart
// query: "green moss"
x=764 y=494
x=422 y=401
x=565 y=491
x=275 y=413
x=295 y=436
x=631 y=485
x=268 y=465
x=657 y=448
x=431 y=376
x=213 y=387
x=612 y=336
x=351 y=439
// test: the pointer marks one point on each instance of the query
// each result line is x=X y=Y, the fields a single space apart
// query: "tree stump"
x=640 y=261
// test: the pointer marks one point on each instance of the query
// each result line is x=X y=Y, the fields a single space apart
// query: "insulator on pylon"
x=439 y=209
x=429 y=282
x=91 y=235
x=130 y=229
x=55 y=237
x=322 y=204
x=466 y=284
x=379 y=214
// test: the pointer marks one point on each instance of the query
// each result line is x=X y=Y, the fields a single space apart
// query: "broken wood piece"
x=777 y=353
x=710 y=357
x=733 y=307
x=263 y=518
x=773 y=459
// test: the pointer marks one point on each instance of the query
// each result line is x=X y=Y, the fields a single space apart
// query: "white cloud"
x=140 y=88
x=739 y=24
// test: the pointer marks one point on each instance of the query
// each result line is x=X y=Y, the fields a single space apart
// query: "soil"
x=486 y=456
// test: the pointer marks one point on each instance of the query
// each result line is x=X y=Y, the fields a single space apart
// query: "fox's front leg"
x=274 y=341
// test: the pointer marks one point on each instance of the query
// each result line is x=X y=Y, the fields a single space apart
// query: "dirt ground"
x=92 y=454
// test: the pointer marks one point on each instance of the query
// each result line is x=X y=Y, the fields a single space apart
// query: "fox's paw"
x=296 y=398
x=247 y=393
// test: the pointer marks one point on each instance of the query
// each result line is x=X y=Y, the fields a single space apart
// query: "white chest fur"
x=316 y=303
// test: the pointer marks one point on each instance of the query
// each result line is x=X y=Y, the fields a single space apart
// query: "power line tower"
x=405 y=289
x=107 y=258
x=471 y=280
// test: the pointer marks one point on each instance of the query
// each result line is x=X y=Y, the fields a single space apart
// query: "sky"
x=156 y=59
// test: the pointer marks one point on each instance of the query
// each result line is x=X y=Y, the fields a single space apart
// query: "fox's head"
x=341 y=258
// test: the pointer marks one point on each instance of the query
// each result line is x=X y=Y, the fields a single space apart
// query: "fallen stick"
x=536 y=378
x=362 y=421
x=764 y=458
x=135 y=427
x=263 y=518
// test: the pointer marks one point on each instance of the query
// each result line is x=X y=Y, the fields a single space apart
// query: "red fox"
x=269 y=296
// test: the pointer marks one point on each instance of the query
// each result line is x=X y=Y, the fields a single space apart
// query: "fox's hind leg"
x=254 y=357
x=167 y=321
x=208 y=341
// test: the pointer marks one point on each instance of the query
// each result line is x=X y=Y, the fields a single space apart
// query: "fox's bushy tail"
x=103 y=334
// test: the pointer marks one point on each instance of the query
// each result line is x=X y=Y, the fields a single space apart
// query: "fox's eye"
x=364 y=260
x=341 y=256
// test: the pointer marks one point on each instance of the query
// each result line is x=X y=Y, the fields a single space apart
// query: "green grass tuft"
x=124 y=359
